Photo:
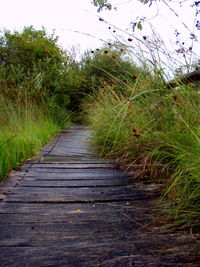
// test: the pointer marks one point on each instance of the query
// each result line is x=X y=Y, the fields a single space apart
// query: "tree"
x=31 y=62
x=108 y=66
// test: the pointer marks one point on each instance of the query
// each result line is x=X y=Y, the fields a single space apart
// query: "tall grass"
x=23 y=130
x=34 y=93
x=155 y=131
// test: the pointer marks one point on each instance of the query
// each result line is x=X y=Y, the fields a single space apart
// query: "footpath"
x=67 y=207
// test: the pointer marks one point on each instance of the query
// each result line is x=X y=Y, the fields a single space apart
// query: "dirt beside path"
x=69 y=208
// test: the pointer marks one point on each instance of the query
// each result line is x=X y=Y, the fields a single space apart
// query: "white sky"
x=65 y=16
x=68 y=17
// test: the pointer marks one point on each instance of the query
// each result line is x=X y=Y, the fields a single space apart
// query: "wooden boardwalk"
x=69 y=208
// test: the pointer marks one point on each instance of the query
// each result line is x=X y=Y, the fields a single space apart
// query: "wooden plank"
x=76 y=195
x=32 y=182
x=116 y=246
x=74 y=174
x=73 y=166
x=104 y=254
x=68 y=208
x=66 y=234
x=73 y=161
x=75 y=216
x=36 y=198
x=26 y=213
x=84 y=171
x=64 y=161
x=80 y=256
x=82 y=194
x=65 y=208
x=128 y=189
x=68 y=158
x=69 y=177
x=191 y=77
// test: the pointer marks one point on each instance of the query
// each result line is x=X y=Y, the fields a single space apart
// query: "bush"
x=31 y=59
x=24 y=130
x=155 y=131
x=108 y=66
x=33 y=99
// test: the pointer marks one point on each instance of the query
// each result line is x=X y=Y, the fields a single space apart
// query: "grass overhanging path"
x=70 y=208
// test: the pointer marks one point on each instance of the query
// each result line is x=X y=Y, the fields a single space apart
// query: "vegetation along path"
x=70 y=208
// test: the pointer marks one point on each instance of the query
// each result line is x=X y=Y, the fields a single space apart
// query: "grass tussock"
x=24 y=129
x=34 y=93
x=155 y=131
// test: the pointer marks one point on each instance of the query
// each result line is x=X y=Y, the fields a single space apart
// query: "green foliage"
x=157 y=129
x=33 y=94
x=24 y=130
x=29 y=48
x=102 y=4
x=107 y=66
x=136 y=118
x=35 y=69
x=31 y=57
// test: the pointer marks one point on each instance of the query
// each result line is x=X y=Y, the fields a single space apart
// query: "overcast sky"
x=76 y=22
x=64 y=16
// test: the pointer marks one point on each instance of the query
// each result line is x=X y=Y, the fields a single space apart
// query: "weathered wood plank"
x=77 y=217
x=71 y=175
x=74 y=170
x=128 y=189
x=74 y=166
x=74 y=174
x=68 y=158
x=191 y=77
x=66 y=256
x=76 y=226
x=72 y=198
x=68 y=208
x=76 y=194
x=32 y=182
x=71 y=161
x=27 y=213
x=44 y=208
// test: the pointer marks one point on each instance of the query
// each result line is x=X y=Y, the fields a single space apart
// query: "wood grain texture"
x=191 y=77
x=67 y=207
